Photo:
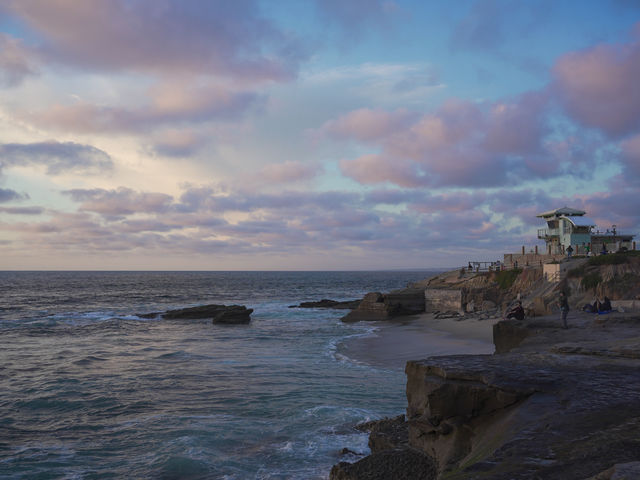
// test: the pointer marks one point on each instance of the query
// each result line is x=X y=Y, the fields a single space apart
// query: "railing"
x=555 y=276
x=548 y=232
x=484 y=266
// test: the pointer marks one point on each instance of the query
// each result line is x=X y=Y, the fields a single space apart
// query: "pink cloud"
x=365 y=124
x=170 y=104
x=631 y=155
x=222 y=38
x=460 y=144
x=178 y=142
x=288 y=172
x=599 y=86
x=619 y=207
x=372 y=169
x=123 y=201
x=516 y=127
x=16 y=61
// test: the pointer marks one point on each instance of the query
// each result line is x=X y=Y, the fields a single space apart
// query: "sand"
x=413 y=338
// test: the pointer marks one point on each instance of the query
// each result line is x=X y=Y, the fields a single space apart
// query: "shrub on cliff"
x=590 y=280
x=576 y=272
x=505 y=278
x=613 y=258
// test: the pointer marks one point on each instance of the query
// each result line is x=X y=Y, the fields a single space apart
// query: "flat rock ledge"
x=222 y=314
x=517 y=416
x=552 y=403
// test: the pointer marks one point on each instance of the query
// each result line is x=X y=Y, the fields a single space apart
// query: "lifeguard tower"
x=569 y=227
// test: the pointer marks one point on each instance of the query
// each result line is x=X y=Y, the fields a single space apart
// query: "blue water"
x=91 y=391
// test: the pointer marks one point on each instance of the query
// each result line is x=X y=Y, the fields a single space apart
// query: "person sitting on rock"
x=516 y=311
x=605 y=306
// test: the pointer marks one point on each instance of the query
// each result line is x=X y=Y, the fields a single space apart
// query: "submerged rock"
x=326 y=303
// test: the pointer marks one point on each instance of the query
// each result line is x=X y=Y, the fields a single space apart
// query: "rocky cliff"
x=555 y=404
x=550 y=403
x=468 y=292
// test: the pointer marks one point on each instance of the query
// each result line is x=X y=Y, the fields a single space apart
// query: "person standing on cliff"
x=563 y=303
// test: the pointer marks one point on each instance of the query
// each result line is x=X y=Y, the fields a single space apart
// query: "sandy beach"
x=417 y=337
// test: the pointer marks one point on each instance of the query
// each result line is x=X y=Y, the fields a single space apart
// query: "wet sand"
x=417 y=337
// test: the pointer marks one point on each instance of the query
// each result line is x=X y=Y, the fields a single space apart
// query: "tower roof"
x=561 y=211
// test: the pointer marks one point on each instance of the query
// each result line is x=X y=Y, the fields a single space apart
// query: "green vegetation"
x=505 y=278
x=609 y=259
x=576 y=272
x=591 y=280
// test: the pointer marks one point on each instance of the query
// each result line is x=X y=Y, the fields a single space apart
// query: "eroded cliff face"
x=618 y=281
x=553 y=409
x=551 y=403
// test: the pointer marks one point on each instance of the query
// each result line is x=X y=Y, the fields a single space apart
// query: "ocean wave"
x=366 y=330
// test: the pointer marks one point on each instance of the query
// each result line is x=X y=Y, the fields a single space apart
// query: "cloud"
x=121 y=201
x=288 y=172
x=372 y=169
x=170 y=104
x=366 y=124
x=20 y=210
x=382 y=83
x=598 y=86
x=8 y=195
x=16 y=61
x=58 y=157
x=228 y=39
x=460 y=144
x=449 y=203
x=481 y=28
x=210 y=220
x=178 y=142
x=631 y=157
x=355 y=16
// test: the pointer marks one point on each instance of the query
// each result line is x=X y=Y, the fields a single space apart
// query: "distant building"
x=568 y=226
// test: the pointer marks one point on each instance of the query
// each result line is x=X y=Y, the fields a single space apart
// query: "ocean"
x=91 y=391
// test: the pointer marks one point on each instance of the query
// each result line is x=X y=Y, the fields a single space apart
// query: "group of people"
x=517 y=311
x=598 y=306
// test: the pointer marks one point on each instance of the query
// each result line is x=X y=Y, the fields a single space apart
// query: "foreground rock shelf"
x=552 y=404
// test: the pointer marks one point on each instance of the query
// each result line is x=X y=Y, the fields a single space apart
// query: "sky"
x=310 y=134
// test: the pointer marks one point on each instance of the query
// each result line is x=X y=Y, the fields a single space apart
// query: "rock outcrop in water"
x=223 y=314
x=326 y=303
x=378 y=306
x=391 y=457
